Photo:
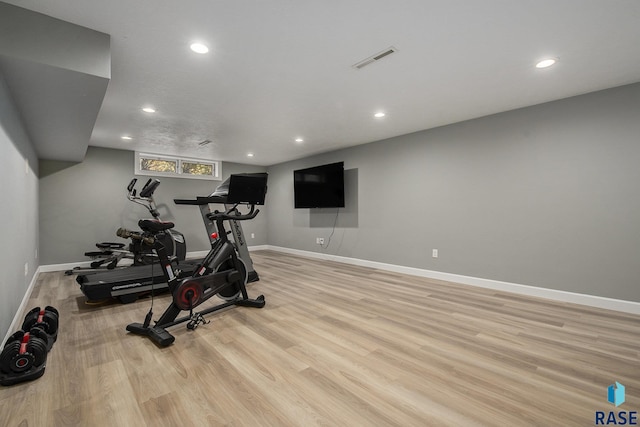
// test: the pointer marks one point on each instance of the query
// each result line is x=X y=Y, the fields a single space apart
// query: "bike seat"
x=155 y=225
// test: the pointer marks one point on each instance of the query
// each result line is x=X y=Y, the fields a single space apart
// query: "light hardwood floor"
x=336 y=345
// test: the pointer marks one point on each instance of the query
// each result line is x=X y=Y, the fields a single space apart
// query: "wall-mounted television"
x=319 y=187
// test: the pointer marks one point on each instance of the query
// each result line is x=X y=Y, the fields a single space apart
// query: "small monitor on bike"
x=249 y=188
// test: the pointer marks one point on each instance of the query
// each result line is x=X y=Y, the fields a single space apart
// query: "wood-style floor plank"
x=335 y=345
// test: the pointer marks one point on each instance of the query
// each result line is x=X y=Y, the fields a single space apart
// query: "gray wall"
x=84 y=203
x=19 y=212
x=547 y=196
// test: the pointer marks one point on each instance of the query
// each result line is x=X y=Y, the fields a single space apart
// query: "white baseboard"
x=552 y=294
x=16 y=323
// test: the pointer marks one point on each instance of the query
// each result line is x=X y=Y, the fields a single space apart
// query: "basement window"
x=177 y=167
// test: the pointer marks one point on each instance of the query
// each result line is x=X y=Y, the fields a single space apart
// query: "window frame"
x=216 y=166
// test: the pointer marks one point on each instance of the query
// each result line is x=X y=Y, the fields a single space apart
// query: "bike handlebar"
x=149 y=188
x=132 y=184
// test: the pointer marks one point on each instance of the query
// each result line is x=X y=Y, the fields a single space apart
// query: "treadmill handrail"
x=232 y=214
x=201 y=200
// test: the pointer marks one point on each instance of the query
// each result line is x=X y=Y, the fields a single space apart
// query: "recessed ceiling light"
x=379 y=115
x=126 y=137
x=299 y=140
x=149 y=110
x=199 y=48
x=546 y=63
x=249 y=154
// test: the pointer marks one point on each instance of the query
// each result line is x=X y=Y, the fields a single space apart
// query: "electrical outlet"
x=434 y=253
x=320 y=240
x=253 y=235
x=26 y=269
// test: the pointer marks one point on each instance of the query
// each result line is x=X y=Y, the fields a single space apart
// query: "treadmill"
x=247 y=183
x=127 y=284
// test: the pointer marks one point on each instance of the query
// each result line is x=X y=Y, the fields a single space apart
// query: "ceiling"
x=281 y=69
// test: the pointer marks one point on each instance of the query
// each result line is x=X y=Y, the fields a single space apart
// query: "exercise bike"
x=222 y=272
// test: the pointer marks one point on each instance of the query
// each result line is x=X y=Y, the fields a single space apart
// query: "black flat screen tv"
x=319 y=187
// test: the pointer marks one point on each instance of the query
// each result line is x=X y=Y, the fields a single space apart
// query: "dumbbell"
x=45 y=319
x=23 y=352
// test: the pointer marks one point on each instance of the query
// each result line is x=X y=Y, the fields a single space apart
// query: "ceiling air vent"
x=373 y=58
x=205 y=142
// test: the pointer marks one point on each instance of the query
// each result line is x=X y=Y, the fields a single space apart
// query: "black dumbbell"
x=24 y=351
x=45 y=319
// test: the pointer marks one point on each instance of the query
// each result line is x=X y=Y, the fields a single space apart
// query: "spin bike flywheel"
x=232 y=291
